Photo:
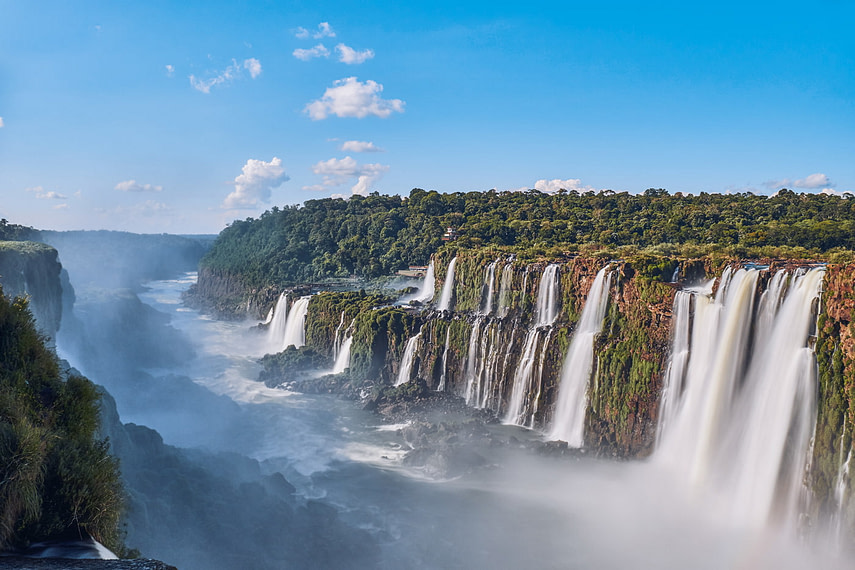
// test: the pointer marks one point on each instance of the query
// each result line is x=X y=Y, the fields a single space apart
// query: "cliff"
x=31 y=269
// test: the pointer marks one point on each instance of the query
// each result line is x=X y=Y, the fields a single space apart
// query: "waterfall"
x=338 y=338
x=530 y=365
x=269 y=317
x=278 y=320
x=476 y=360
x=547 y=296
x=295 y=327
x=342 y=350
x=447 y=288
x=741 y=414
x=505 y=290
x=489 y=283
x=426 y=291
x=406 y=369
x=569 y=421
x=342 y=361
x=441 y=386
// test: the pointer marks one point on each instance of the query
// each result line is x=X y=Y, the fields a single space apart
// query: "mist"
x=223 y=472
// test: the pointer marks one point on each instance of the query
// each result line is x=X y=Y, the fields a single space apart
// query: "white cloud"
x=349 y=97
x=170 y=70
x=556 y=184
x=254 y=67
x=350 y=56
x=2 y=124
x=324 y=31
x=319 y=50
x=255 y=184
x=337 y=172
x=134 y=186
x=833 y=192
x=817 y=180
x=63 y=206
x=147 y=209
x=229 y=74
x=812 y=181
x=360 y=146
x=49 y=195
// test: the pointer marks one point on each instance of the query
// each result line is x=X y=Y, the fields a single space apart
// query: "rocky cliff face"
x=31 y=269
x=228 y=296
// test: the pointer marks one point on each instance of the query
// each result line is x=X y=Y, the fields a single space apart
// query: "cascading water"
x=529 y=368
x=441 y=387
x=338 y=338
x=489 y=285
x=295 y=327
x=569 y=421
x=428 y=288
x=742 y=412
x=445 y=299
x=276 y=327
x=342 y=361
x=505 y=290
x=342 y=352
x=406 y=369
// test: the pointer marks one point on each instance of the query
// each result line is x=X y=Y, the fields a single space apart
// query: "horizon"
x=154 y=118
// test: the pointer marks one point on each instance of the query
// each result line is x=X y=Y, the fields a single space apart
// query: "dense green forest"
x=375 y=235
x=56 y=477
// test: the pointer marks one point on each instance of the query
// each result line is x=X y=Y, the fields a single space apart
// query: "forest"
x=372 y=236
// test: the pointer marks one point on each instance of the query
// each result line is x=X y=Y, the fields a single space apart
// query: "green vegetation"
x=56 y=478
x=376 y=235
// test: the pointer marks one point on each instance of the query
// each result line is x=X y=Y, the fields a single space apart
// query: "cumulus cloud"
x=134 y=186
x=337 y=172
x=63 y=206
x=2 y=124
x=360 y=146
x=319 y=50
x=324 y=31
x=810 y=182
x=46 y=195
x=350 y=97
x=255 y=183
x=556 y=184
x=228 y=75
x=350 y=56
x=170 y=70
x=253 y=66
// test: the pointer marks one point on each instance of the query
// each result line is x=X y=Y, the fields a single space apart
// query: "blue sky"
x=180 y=117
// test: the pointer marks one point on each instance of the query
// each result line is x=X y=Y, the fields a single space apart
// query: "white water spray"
x=276 y=327
x=406 y=369
x=569 y=421
x=741 y=416
x=295 y=327
x=445 y=300
x=428 y=288
x=489 y=285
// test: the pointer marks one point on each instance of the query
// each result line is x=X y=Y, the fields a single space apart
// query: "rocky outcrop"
x=228 y=296
x=32 y=270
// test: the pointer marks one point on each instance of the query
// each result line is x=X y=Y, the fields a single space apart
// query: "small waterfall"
x=547 y=296
x=406 y=369
x=505 y=290
x=338 y=338
x=278 y=320
x=428 y=288
x=569 y=420
x=489 y=285
x=269 y=318
x=840 y=488
x=742 y=414
x=445 y=300
x=342 y=361
x=295 y=327
x=342 y=350
x=441 y=387
x=530 y=365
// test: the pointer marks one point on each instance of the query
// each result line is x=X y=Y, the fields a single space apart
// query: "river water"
x=524 y=511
